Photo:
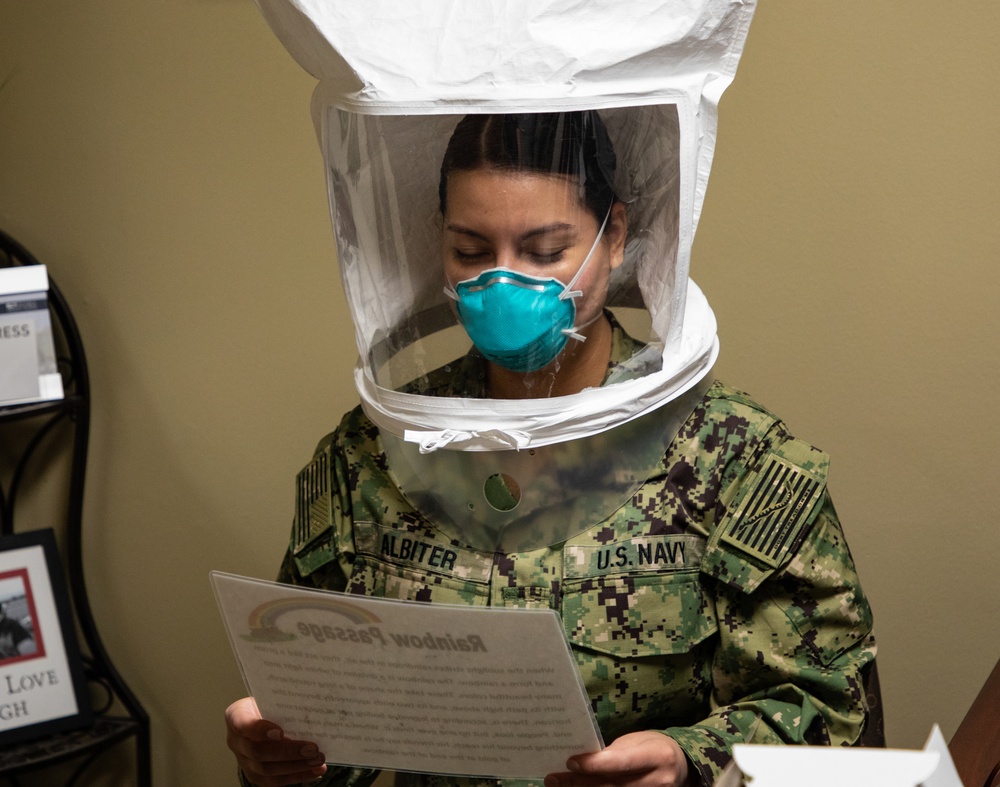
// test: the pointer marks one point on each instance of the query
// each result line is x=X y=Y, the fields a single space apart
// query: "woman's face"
x=532 y=223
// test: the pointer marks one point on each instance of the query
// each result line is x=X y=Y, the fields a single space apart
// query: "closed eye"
x=469 y=256
x=548 y=258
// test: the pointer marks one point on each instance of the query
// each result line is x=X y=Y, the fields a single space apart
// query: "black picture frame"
x=42 y=685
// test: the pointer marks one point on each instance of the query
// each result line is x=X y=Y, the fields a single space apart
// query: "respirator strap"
x=569 y=292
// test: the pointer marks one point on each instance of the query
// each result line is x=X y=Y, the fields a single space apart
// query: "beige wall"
x=159 y=158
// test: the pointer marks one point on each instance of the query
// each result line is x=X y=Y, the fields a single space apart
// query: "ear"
x=616 y=232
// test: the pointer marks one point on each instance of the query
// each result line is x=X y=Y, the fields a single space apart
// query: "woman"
x=717 y=604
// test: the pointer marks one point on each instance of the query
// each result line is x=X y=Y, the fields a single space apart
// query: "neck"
x=580 y=365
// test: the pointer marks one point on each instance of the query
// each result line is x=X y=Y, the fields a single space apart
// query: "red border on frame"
x=29 y=595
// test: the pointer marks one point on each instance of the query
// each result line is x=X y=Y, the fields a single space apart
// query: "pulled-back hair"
x=572 y=144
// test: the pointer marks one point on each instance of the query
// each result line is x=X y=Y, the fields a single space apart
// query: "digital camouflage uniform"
x=721 y=593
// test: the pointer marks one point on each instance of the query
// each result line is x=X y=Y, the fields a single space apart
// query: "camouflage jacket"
x=721 y=601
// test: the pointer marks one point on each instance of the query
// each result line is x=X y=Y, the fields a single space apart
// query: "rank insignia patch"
x=771 y=513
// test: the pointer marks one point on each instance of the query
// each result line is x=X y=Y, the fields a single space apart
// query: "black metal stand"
x=118 y=717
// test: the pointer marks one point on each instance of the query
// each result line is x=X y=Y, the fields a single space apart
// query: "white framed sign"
x=42 y=687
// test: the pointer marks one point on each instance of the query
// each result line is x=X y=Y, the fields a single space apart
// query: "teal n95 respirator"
x=519 y=321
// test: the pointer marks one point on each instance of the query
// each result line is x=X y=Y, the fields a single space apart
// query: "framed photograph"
x=42 y=687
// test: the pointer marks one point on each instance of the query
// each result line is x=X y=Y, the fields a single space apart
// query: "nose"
x=508 y=257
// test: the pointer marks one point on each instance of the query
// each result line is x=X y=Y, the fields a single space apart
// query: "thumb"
x=243 y=718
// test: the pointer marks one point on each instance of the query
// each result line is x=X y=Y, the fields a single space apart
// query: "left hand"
x=639 y=759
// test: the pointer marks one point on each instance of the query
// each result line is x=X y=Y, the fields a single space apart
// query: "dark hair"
x=574 y=144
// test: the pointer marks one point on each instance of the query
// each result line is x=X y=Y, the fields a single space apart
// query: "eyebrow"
x=546 y=229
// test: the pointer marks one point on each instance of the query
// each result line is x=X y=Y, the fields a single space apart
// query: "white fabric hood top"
x=403 y=58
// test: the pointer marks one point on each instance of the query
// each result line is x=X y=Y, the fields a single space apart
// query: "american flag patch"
x=773 y=510
x=312 y=501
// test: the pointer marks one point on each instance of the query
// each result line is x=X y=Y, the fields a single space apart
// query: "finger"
x=650 y=778
x=256 y=740
x=308 y=764
x=641 y=759
x=632 y=753
x=304 y=753
x=613 y=761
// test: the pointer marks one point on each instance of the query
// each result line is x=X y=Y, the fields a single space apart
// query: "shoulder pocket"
x=766 y=513
x=312 y=532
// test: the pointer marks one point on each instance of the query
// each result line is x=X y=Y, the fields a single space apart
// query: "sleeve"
x=334 y=777
x=320 y=546
x=319 y=555
x=794 y=625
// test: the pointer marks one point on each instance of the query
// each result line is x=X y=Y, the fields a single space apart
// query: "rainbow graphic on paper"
x=263 y=621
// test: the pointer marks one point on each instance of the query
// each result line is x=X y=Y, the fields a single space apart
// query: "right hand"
x=266 y=757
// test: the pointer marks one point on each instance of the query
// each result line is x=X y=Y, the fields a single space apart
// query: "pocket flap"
x=638 y=615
